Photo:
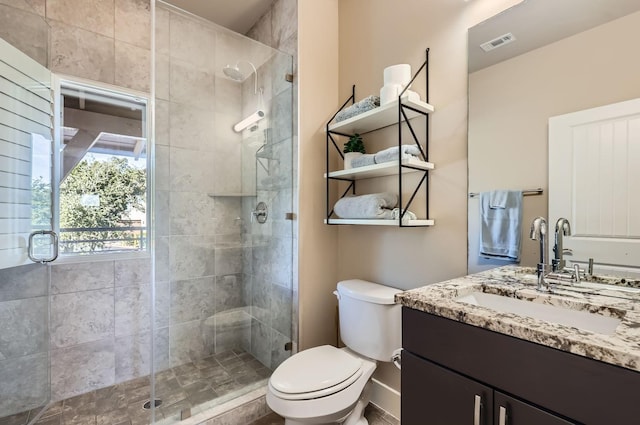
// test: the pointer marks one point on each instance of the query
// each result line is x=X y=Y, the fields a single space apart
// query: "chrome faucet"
x=539 y=232
x=563 y=228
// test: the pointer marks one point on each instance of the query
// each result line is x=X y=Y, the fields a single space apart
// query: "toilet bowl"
x=329 y=385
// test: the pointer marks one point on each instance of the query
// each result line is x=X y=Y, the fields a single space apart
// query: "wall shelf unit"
x=400 y=113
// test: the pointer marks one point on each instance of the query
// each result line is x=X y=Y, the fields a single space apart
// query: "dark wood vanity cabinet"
x=449 y=398
x=453 y=372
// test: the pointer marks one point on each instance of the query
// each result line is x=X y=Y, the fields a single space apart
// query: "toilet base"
x=356 y=417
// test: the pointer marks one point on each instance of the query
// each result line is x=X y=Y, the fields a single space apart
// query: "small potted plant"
x=352 y=149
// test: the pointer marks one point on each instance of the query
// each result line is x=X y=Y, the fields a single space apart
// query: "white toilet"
x=328 y=385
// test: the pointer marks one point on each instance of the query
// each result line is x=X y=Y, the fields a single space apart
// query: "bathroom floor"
x=372 y=413
x=179 y=388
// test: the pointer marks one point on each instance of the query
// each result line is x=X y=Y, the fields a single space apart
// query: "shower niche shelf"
x=230 y=195
x=398 y=113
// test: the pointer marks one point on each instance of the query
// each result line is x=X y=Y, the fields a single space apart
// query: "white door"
x=594 y=181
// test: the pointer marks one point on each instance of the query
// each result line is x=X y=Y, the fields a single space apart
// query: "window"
x=102 y=171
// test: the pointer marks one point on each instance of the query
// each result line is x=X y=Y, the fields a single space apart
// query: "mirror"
x=560 y=57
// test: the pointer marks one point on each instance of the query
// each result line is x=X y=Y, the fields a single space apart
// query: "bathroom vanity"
x=471 y=358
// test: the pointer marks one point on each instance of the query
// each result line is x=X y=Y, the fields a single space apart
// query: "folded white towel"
x=391 y=154
x=374 y=205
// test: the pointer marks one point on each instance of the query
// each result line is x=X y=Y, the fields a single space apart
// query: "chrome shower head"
x=233 y=72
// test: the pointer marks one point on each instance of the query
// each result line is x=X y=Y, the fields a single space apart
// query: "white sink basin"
x=549 y=313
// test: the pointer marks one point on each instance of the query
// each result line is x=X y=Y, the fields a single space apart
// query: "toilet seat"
x=315 y=373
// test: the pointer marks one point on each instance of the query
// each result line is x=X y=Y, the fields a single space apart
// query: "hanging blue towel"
x=501 y=224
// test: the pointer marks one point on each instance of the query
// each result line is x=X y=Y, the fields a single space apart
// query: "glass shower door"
x=25 y=234
x=224 y=149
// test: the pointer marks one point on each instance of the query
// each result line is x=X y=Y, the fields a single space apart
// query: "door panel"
x=434 y=395
x=509 y=411
x=25 y=206
x=25 y=154
x=594 y=181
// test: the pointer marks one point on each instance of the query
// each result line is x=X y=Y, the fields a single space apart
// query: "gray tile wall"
x=24 y=340
x=100 y=324
x=101 y=40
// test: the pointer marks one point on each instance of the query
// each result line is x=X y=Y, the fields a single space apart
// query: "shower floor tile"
x=179 y=388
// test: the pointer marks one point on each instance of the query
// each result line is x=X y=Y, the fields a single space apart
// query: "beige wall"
x=511 y=102
x=318 y=98
x=373 y=35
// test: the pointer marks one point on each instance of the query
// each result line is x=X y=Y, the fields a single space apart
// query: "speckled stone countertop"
x=621 y=348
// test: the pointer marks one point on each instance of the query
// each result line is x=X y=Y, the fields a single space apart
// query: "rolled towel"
x=391 y=154
x=347 y=113
x=366 y=104
x=369 y=102
x=394 y=214
x=374 y=205
x=408 y=215
x=363 y=160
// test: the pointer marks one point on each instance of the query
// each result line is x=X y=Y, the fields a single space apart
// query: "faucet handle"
x=576 y=272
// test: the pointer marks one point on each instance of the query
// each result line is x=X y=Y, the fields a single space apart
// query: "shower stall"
x=194 y=316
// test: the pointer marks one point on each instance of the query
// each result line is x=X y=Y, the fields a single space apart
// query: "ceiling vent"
x=498 y=42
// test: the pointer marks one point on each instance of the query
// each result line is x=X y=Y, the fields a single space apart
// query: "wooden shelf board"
x=380 y=170
x=380 y=117
x=373 y=222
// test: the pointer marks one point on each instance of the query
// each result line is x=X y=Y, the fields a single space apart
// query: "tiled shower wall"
x=24 y=360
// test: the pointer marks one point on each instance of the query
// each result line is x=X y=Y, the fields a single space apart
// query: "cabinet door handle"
x=502 y=417
x=477 y=409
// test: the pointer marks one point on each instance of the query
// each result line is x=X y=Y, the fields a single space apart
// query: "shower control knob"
x=260 y=213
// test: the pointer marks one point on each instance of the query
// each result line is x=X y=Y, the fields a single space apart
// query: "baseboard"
x=386 y=398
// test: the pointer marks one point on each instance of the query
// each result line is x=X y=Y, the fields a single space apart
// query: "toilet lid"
x=314 y=370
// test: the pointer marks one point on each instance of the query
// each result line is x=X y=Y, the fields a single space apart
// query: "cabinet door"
x=509 y=411
x=436 y=396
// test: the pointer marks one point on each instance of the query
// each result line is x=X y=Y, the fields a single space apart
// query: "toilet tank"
x=370 y=320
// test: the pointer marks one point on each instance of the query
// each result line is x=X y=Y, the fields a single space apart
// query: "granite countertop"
x=614 y=299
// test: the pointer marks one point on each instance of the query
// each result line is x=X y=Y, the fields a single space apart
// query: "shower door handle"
x=54 y=242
